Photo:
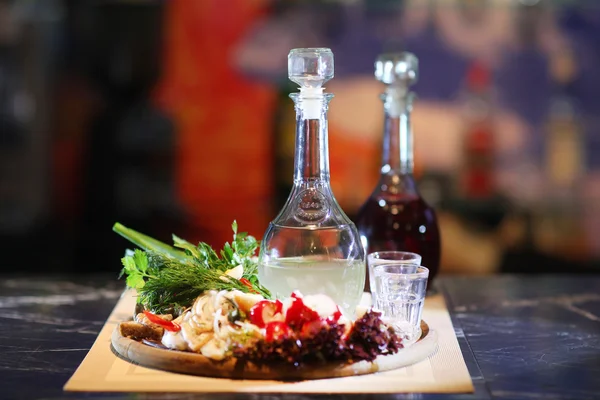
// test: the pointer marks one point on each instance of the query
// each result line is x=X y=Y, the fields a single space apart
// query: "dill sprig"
x=168 y=279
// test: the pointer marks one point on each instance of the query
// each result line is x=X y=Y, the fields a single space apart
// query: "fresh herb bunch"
x=168 y=279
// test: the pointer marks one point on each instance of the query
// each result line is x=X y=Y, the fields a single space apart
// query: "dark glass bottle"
x=396 y=217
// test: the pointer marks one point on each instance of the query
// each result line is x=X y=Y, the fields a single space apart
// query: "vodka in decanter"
x=312 y=246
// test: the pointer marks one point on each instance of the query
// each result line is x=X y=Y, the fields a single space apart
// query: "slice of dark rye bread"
x=138 y=331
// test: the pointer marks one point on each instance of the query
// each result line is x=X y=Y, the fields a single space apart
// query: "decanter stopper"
x=310 y=68
x=400 y=69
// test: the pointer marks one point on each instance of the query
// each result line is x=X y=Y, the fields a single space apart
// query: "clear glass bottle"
x=395 y=217
x=312 y=246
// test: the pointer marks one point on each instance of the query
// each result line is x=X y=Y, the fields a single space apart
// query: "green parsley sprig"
x=169 y=278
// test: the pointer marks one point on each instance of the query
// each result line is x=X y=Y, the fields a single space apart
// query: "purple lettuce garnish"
x=369 y=338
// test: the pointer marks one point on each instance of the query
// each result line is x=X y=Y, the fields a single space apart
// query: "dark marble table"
x=523 y=337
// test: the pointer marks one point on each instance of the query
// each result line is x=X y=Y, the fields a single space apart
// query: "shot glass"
x=399 y=294
x=388 y=257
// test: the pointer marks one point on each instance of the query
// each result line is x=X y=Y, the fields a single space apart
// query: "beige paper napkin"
x=443 y=372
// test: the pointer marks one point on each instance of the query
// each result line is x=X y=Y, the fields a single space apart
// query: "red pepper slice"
x=265 y=311
x=168 y=325
x=298 y=313
x=336 y=315
x=248 y=284
x=277 y=330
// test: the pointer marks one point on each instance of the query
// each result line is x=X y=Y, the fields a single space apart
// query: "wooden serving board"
x=197 y=364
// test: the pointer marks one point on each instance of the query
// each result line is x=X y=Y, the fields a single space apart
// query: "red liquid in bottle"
x=400 y=222
x=396 y=217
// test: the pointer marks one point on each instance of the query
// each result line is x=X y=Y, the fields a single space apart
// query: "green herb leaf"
x=128 y=266
x=135 y=281
x=140 y=260
x=187 y=246
x=148 y=243
x=227 y=255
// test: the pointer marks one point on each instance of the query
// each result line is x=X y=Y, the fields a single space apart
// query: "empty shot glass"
x=388 y=257
x=399 y=293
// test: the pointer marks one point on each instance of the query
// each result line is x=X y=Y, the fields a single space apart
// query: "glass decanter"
x=395 y=217
x=312 y=246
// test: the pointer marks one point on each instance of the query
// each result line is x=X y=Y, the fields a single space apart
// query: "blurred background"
x=173 y=117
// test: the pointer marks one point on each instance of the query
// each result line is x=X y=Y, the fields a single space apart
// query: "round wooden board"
x=196 y=364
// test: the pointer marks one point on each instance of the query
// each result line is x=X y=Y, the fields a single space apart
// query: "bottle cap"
x=310 y=68
x=397 y=68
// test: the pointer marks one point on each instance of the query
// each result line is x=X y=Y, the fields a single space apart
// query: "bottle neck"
x=397 y=134
x=311 y=159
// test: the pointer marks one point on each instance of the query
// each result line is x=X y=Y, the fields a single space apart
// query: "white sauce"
x=174 y=340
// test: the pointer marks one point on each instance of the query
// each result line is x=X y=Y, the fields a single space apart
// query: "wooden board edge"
x=195 y=364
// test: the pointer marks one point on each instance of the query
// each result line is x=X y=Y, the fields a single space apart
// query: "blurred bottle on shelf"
x=560 y=219
x=564 y=155
x=477 y=180
x=27 y=65
x=477 y=198
x=28 y=60
x=395 y=216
